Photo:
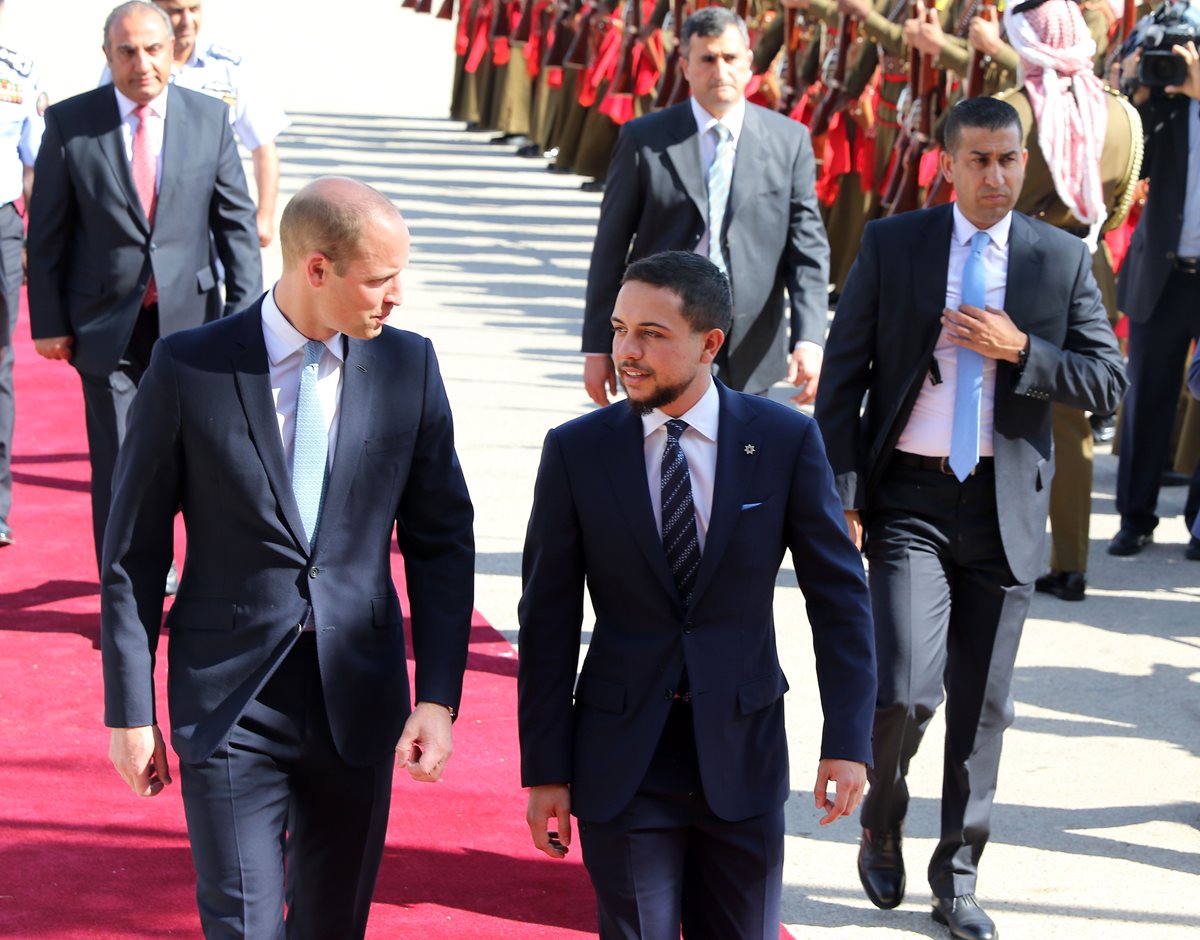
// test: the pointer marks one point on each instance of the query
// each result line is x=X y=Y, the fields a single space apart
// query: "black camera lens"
x=1161 y=68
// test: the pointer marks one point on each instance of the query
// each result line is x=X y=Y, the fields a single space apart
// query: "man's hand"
x=804 y=371
x=599 y=378
x=426 y=743
x=854 y=527
x=54 y=347
x=552 y=801
x=989 y=332
x=1191 y=85
x=984 y=35
x=850 y=779
x=925 y=33
x=266 y=229
x=859 y=9
x=140 y=757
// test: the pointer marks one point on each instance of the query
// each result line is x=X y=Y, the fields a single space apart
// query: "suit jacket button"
x=687 y=627
x=313 y=572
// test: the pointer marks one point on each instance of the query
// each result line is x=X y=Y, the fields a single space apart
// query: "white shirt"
x=932 y=420
x=1189 y=234
x=220 y=73
x=129 y=126
x=285 y=358
x=699 y=444
x=21 y=124
x=705 y=122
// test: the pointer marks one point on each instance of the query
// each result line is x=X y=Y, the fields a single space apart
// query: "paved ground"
x=1097 y=814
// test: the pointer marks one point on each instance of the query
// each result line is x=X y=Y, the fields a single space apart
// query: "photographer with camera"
x=1159 y=287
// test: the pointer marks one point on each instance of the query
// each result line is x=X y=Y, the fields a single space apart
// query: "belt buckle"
x=944 y=466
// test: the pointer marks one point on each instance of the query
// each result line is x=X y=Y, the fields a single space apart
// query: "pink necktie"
x=144 y=173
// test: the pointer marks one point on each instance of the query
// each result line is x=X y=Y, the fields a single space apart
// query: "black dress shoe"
x=1065 y=585
x=530 y=150
x=965 y=918
x=881 y=868
x=1171 y=478
x=1191 y=553
x=592 y=186
x=1104 y=428
x=6 y=536
x=1128 y=542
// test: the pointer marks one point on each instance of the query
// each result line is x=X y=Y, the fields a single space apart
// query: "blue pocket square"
x=746 y=506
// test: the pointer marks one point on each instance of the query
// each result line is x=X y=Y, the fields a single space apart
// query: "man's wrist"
x=450 y=708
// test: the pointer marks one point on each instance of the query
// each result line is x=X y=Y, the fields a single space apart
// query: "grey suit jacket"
x=655 y=200
x=91 y=249
x=881 y=347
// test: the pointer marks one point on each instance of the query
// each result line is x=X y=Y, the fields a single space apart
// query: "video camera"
x=1172 y=24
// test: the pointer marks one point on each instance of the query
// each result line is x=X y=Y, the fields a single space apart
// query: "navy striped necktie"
x=680 y=541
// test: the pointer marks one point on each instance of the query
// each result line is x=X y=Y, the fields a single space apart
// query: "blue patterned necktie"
x=680 y=540
x=968 y=389
x=720 y=175
x=311 y=451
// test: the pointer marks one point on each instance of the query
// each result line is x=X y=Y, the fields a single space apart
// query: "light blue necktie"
x=311 y=451
x=720 y=175
x=968 y=389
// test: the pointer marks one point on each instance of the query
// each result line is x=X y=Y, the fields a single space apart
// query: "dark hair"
x=703 y=291
x=988 y=113
x=712 y=21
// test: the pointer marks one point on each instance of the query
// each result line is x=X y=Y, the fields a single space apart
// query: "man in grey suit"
x=729 y=180
x=961 y=325
x=136 y=183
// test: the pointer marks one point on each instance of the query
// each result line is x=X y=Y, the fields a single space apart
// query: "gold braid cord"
x=1134 y=169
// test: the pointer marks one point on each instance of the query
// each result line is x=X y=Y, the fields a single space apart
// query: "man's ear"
x=317 y=269
x=713 y=341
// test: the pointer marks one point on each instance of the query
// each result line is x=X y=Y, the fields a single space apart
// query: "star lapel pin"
x=749 y=450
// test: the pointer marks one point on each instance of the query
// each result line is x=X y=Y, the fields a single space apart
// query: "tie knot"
x=979 y=242
x=312 y=352
x=143 y=111
x=675 y=428
x=722 y=132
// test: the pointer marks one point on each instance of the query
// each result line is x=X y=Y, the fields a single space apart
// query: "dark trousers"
x=276 y=817
x=667 y=860
x=1158 y=350
x=948 y=614
x=12 y=237
x=106 y=402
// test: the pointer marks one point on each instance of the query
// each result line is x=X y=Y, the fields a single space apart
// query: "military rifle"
x=672 y=73
x=928 y=88
x=835 y=98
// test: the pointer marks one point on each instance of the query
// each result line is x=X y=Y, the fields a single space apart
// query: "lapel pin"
x=749 y=449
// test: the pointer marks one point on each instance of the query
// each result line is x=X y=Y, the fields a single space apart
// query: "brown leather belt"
x=939 y=464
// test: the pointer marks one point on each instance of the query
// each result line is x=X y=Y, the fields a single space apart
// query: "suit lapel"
x=111 y=142
x=254 y=388
x=174 y=152
x=747 y=168
x=353 y=421
x=1024 y=270
x=737 y=446
x=931 y=258
x=625 y=462
x=684 y=155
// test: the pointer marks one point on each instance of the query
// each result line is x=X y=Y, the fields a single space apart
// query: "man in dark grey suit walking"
x=136 y=184
x=731 y=181
x=961 y=325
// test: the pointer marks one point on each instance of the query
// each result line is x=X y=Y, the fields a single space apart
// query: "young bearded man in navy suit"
x=676 y=507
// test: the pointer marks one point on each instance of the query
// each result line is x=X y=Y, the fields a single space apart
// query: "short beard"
x=664 y=396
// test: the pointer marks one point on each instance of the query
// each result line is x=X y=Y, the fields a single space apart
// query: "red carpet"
x=80 y=856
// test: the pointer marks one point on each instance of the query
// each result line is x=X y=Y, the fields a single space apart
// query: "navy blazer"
x=881 y=346
x=592 y=522
x=203 y=435
x=91 y=249
x=656 y=199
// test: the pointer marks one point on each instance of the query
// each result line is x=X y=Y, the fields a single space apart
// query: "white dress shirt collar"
x=704 y=416
x=733 y=120
x=965 y=230
x=126 y=106
x=283 y=339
